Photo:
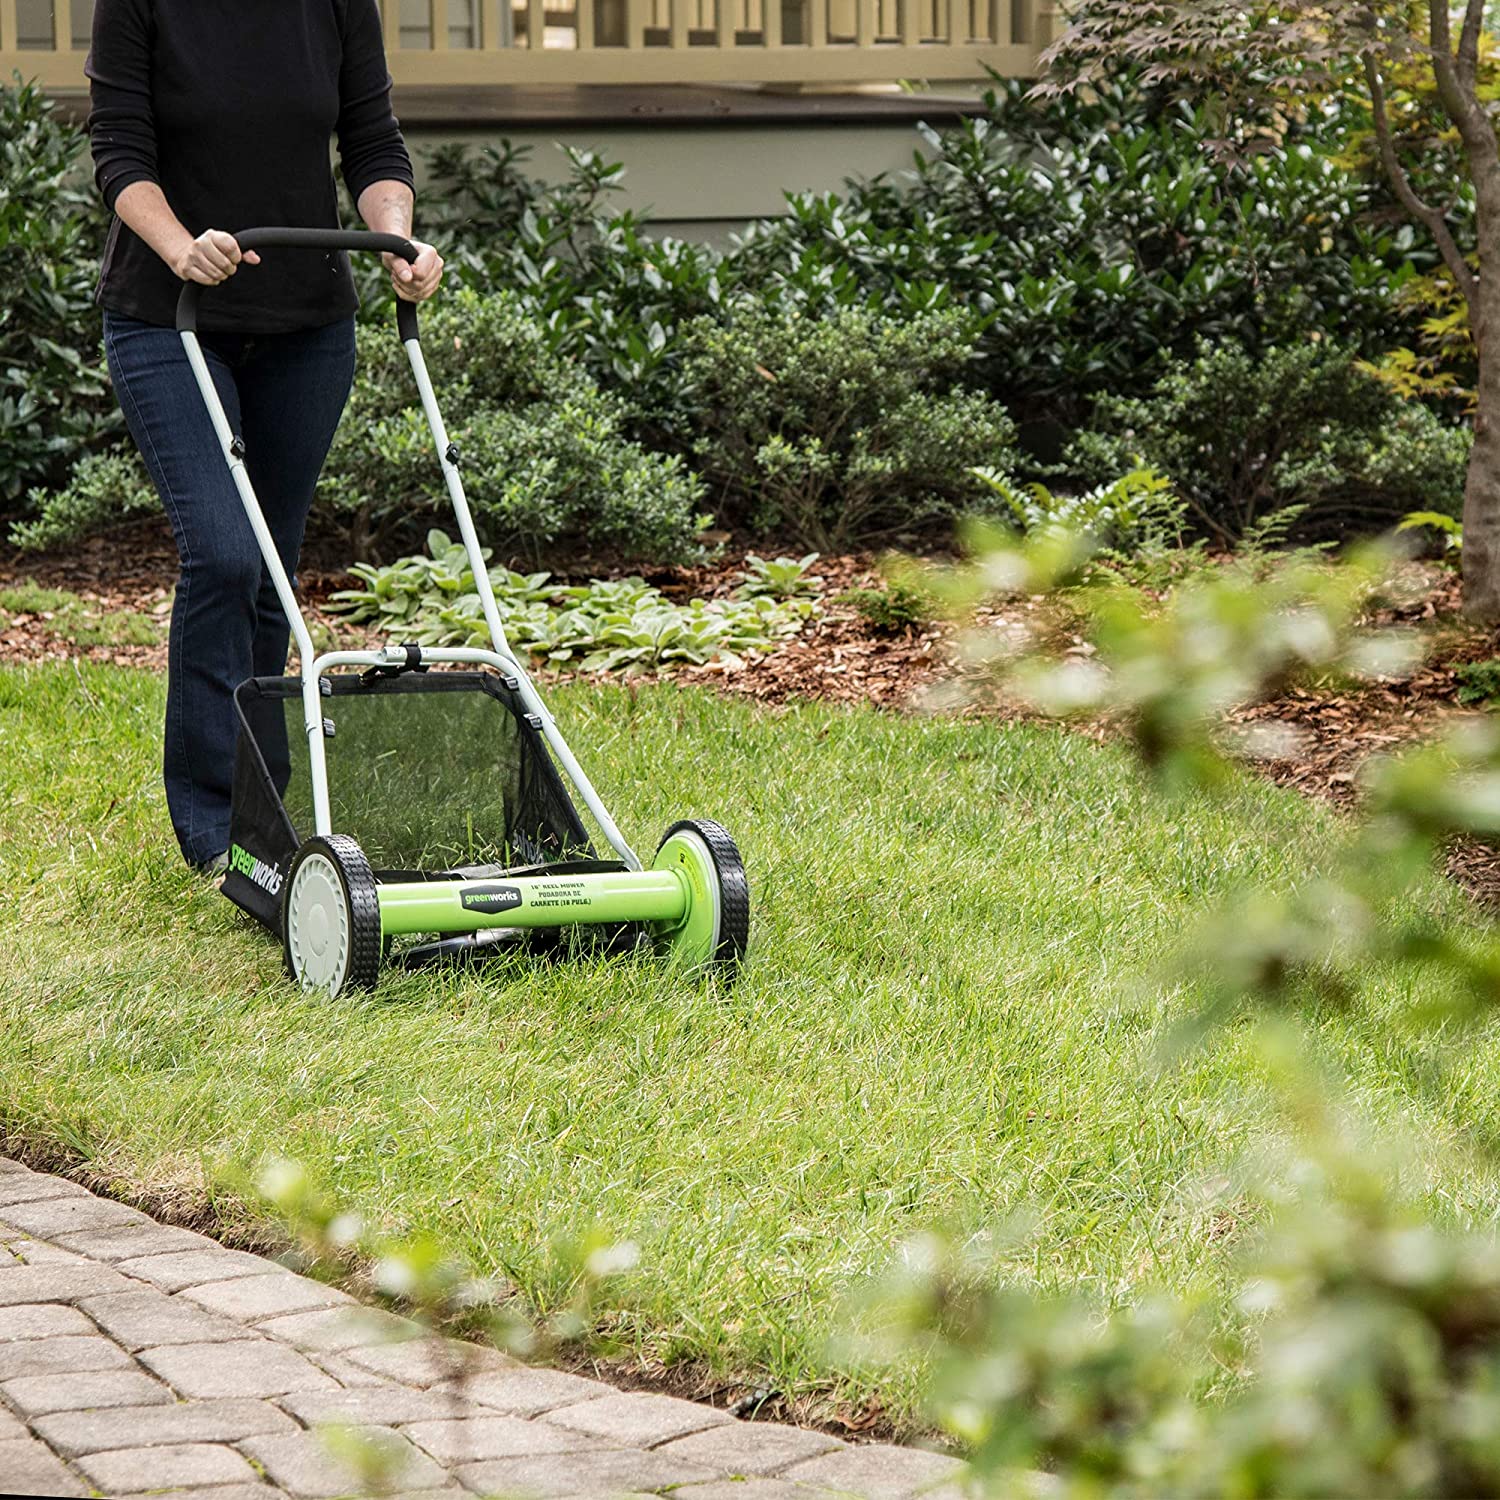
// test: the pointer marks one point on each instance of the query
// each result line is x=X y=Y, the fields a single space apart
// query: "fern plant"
x=1448 y=527
x=1137 y=507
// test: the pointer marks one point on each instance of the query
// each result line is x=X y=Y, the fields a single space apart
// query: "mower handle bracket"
x=398 y=660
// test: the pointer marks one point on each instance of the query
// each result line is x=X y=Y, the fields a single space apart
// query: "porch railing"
x=477 y=42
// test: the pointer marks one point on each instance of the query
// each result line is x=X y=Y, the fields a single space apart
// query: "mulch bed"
x=842 y=659
x=130 y=571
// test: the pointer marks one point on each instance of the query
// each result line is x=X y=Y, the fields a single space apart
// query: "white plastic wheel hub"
x=318 y=925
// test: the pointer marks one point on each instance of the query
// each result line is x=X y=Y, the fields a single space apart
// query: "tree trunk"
x=1482 y=491
x=1458 y=88
x=359 y=535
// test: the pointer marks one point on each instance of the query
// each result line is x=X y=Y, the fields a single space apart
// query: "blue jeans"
x=284 y=394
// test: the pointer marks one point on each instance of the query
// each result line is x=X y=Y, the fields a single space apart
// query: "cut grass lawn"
x=941 y=1025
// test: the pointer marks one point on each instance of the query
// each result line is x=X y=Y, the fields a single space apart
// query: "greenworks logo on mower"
x=491 y=898
x=243 y=862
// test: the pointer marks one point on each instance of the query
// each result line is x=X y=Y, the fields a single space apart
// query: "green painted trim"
x=693 y=936
x=532 y=901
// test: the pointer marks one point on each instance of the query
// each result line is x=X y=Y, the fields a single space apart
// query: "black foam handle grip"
x=309 y=239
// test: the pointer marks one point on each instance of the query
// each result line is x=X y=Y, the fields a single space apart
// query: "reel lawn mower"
x=450 y=821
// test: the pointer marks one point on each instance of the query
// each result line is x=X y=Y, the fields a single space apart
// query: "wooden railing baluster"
x=836 y=41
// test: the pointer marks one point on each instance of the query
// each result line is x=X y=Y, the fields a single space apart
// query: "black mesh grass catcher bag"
x=434 y=774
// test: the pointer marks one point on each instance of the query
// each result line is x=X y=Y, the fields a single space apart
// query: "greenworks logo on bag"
x=243 y=862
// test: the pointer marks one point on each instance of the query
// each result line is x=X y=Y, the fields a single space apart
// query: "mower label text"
x=561 y=893
x=491 y=898
x=257 y=871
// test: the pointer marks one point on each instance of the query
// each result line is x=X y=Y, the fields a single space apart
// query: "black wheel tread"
x=362 y=890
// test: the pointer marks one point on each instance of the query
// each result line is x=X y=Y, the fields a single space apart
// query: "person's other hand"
x=419 y=280
x=213 y=257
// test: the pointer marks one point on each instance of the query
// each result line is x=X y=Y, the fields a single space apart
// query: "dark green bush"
x=1102 y=236
x=841 y=430
x=546 y=463
x=1089 y=243
x=103 y=489
x=1094 y=239
x=546 y=459
x=604 y=290
x=1244 y=435
x=54 y=399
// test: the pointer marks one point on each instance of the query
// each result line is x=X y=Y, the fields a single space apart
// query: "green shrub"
x=546 y=463
x=104 y=488
x=54 y=398
x=604 y=291
x=1101 y=236
x=545 y=458
x=1242 y=436
x=838 y=431
x=898 y=607
x=1096 y=238
x=1478 y=681
x=477 y=193
x=1358 y=1353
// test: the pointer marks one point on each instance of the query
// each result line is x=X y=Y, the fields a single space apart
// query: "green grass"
x=941 y=1026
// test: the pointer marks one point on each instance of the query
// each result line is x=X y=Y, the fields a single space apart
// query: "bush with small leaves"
x=55 y=402
x=1305 y=425
x=103 y=490
x=1100 y=236
x=1359 y=1357
x=546 y=461
x=1478 y=681
x=839 y=431
x=898 y=607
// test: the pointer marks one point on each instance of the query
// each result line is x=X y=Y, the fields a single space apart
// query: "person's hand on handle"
x=419 y=280
x=211 y=258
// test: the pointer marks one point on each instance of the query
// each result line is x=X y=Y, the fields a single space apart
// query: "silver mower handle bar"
x=310 y=239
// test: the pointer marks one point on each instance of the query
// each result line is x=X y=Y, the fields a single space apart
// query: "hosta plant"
x=623 y=625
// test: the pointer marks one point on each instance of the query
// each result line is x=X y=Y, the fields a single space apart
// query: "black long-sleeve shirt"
x=230 y=107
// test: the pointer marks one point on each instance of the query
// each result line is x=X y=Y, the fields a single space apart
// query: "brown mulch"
x=841 y=660
x=1336 y=731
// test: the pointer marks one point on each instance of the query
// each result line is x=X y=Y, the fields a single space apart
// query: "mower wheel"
x=330 y=917
x=716 y=930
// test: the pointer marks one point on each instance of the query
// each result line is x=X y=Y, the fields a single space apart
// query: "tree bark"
x=1482 y=490
x=1456 y=84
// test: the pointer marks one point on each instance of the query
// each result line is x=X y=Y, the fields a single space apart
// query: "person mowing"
x=209 y=115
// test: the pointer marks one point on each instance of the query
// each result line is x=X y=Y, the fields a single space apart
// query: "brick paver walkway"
x=136 y=1357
